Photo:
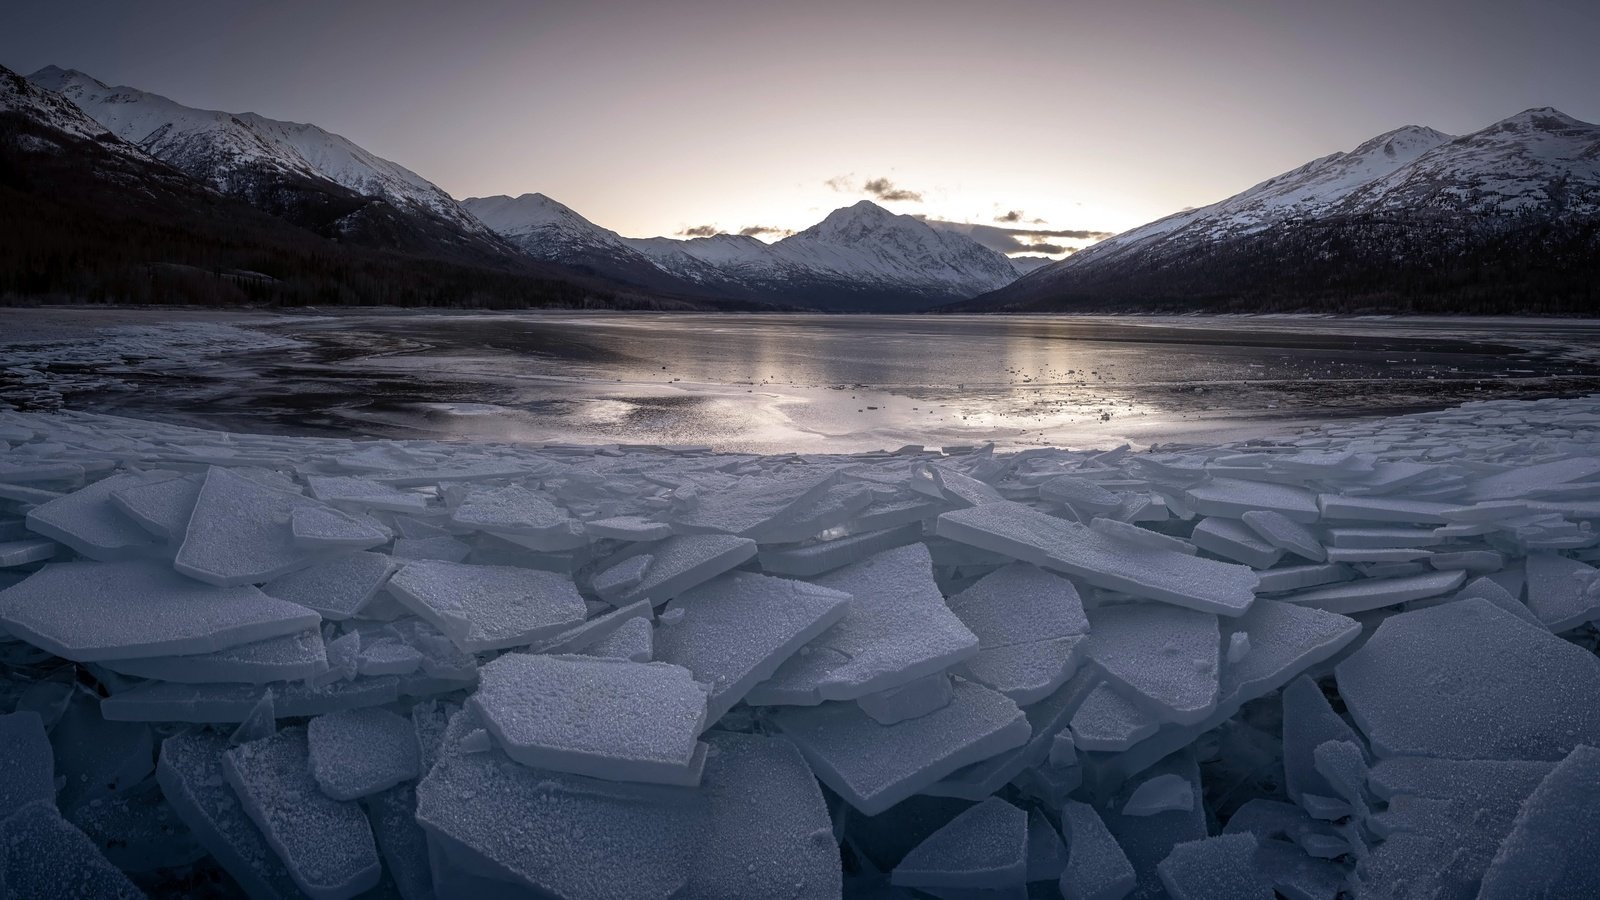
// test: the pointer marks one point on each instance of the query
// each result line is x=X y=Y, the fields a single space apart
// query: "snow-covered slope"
x=51 y=110
x=228 y=150
x=1391 y=201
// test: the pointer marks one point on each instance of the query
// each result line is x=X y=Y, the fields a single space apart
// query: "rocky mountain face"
x=1503 y=219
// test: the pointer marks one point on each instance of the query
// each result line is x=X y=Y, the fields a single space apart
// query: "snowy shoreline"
x=679 y=673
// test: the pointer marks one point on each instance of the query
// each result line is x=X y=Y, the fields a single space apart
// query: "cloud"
x=843 y=184
x=758 y=230
x=885 y=190
x=1042 y=247
x=700 y=231
x=1014 y=215
x=1019 y=240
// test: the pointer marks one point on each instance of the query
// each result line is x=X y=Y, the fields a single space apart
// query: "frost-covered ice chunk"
x=290 y=657
x=681 y=562
x=1233 y=497
x=1142 y=536
x=908 y=701
x=1109 y=722
x=581 y=637
x=88 y=522
x=875 y=766
x=896 y=629
x=1147 y=840
x=1381 y=538
x=634 y=642
x=355 y=492
x=444 y=548
x=603 y=718
x=239 y=532
x=1280 y=531
x=1030 y=626
x=1163 y=793
x=163 y=701
x=1384 y=509
x=622 y=577
x=359 y=752
x=1086 y=498
x=512 y=509
x=489 y=607
x=770 y=833
x=985 y=847
x=1025 y=534
x=1046 y=719
x=1525 y=480
x=337 y=589
x=191 y=777
x=738 y=629
x=20 y=553
x=27 y=769
x=90 y=611
x=742 y=509
x=1216 y=868
x=1294 y=578
x=628 y=528
x=1490 y=590
x=810 y=517
x=1165 y=658
x=1552 y=847
x=325 y=843
x=1376 y=593
x=1564 y=593
x=44 y=856
x=262 y=722
x=824 y=556
x=1308 y=722
x=325 y=528
x=1468 y=680
x=1047 y=855
x=401 y=841
x=1097 y=869
x=1231 y=539
x=1393 y=555
x=575 y=838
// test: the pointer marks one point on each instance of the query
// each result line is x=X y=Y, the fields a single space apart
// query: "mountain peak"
x=55 y=78
x=1539 y=118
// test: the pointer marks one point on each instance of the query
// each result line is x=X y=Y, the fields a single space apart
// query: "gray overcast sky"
x=653 y=116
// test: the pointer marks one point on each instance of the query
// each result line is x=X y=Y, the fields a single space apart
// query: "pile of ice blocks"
x=1357 y=662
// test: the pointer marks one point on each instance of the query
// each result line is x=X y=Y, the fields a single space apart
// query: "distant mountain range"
x=111 y=192
x=1504 y=219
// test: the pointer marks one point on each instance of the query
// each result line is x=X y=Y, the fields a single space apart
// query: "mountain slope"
x=1501 y=219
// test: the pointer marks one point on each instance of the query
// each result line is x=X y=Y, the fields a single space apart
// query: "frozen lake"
x=775 y=383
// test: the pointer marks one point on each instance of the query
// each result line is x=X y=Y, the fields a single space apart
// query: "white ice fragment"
x=289 y=657
x=603 y=718
x=1026 y=534
x=1142 y=536
x=895 y=629
x=1233 y=497
x=1281 y=531
x=738 y=629
x=1160 y=794
x=1377 y=555
x=628 y=528
x=359 y=752
x=1238 y=646
x=810 y=517
x=261 y=723
x=1384 y=509
x=513 y=509
x=239 y=532
x=1085 y=497
x=88 y=522
x=1376 y=593
x=489 y=607
x=1564 y=593
x=1553 y=844
x=581 y=637
x=91 y=611
x=326 y=844
x=824 y=556
x=908 y=701
x=611 y=584
x=27 y=769
x=741 y=510
x=633 y=642
x=477 y=741
x=875 y=766
x=1109 y=722
x=1293 y=578
x=20 y=553
x=1468 y=680
x=985 y=847
x=1525 y=480
x=1097 y=869
x=1030 y=627
x=681 y=562
x=1381 y=538
x=355 y=492
x=1165 y=658
x=1231 y=539
x=444 y=548
x=326 y=528
x=1063 y=751
x=44 y=856
x=339 y=588
x=1215 y=868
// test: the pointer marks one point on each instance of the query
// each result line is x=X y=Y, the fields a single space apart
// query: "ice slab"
x=628 y=528
x=908 y=701
x=91 y=611
x=770 y=833
x=359 y=752
x=326 y=844
x=581 y=637
x=1147 y=840
x=163 y=701
x=1165 y=658
x=1109 y=722
x=1468 y=680
x=240 y=532
x=1097 y=869
x=1087 y=498
x=489 y=607
x=1551 y=848
x=681 y=562
x=1376 y=593
x=1030 y=626
x=1280 y=531
x=1025 y=534
x=20 y=553
x=444 y=548
x=191 y=777
x=401 y=841
x=634 y=641
x=27 y=768
x=1233 y=497
x=1047 y=855
x=895 y=630
x=290 y=657
x=832 y=508
x=1381 y=538
x=45 y=857
x=602 y=718
x=1232 y=539
x=825 y=556
x=325 y=528
x=740 y=510
x=1215 y=868
x=88 y=522
x=1564 y=593
x=337 y=589
x=1308 y=722
x=1523 y=481
x=875 y=766
x=1383 y=509
x=513 y=509
x=1142 y=536
x=738 y=629
x=355 y=492
x=985 y=847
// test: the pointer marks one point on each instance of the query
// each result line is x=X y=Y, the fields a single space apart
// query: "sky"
x=1046 y=123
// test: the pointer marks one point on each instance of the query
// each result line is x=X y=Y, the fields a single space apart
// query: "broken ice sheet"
x=290 y=657
x=90 y=611
x=358 y=752
x=1109 y=722
x=489 y=607
x=338 y=588
x=1164 y=658
x=985 y=847
x=679 y=563
x=319 y=528
x=1030 y=626
x=45 y=856
x=896 y=629
x=240 y=532
x=88 y=522
x=355 y=492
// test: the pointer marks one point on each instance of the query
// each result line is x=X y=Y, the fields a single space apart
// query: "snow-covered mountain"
x=1413 y=206
x=237 y=153
x=859 y=257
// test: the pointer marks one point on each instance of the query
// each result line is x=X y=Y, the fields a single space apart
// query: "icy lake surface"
x=780 y=383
